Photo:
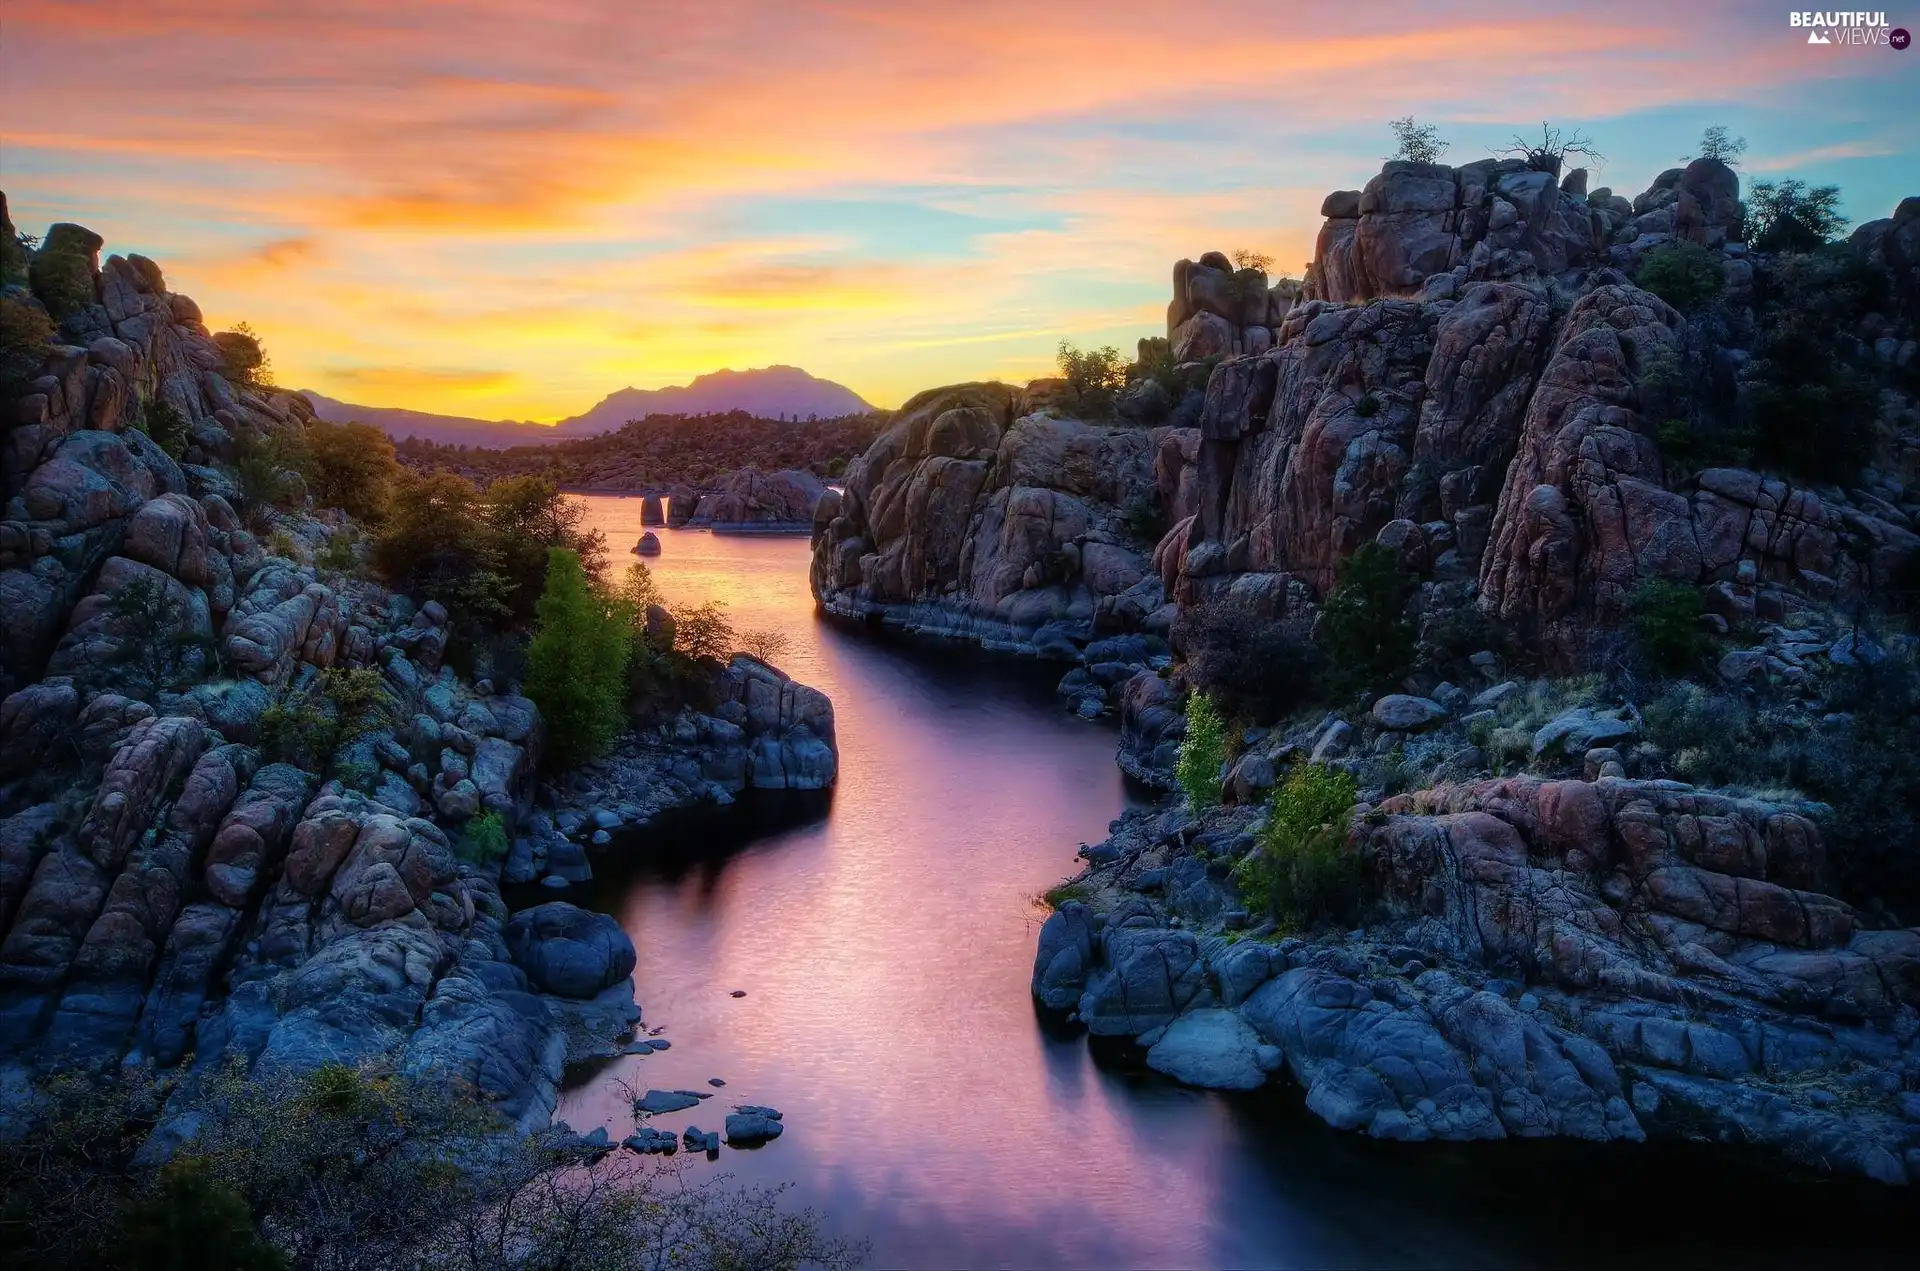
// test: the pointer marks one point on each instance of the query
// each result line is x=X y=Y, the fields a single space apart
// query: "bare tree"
x=1550 y=153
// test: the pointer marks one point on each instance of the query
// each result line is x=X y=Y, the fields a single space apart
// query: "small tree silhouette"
x=1550 y=153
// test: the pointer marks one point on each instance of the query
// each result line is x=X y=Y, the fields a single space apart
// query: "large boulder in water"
x=755 y=500
x=568 y=951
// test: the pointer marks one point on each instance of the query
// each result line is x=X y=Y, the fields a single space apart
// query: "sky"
x=509 y=208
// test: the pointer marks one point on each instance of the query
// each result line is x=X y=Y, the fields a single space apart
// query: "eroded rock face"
x=1493 y=220
x=750 y=500
x=968 y=519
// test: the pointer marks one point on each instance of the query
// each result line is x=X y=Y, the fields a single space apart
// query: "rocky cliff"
x=171 y=893
x=984 y=514
x=1559 y=934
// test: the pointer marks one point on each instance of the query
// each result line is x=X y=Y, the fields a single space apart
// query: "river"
x=885 y=950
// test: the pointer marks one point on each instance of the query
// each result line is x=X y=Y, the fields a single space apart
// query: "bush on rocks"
x=1666 y=617
x=1247 y=663
x=1299 y=870
x=577 y=663
x=1685 y=275
x=1202 y=753
x=1364 y=627
x=344 y=1167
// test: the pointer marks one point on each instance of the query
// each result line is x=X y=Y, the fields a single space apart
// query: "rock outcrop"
x=754 y=502
x=975 y=518
x=1610 y=959
x=176 y=888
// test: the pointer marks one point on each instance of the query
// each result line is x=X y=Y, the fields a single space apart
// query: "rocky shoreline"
x=1562 y=931
x=251 y=816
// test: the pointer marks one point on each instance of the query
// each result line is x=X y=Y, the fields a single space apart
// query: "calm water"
x=885 y=951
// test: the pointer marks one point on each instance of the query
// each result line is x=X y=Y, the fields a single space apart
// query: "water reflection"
x=885 y=941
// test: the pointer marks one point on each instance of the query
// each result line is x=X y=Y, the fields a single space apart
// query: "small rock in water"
x=661 y=1043
x=715 y=1082
x=699 y=1140
x=666 y=1101
x=738 y=993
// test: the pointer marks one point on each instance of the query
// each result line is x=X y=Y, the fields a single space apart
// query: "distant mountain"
x=768 y=393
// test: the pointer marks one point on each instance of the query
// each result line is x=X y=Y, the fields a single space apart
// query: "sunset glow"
x=509 y=209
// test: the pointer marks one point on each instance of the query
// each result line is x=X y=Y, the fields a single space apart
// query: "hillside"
x=663 y=452
x=772 y=392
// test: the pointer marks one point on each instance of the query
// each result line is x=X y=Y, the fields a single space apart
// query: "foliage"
x=267 y=467
x=1248 y=663
x=1809 y=405
x=345 y=1169
x=187 y=1220
x=1093 y=376
x=1859 y=760
x=577 y=663
x=1367 y=407
x=245 y=357
x=1416 y=142
x=161 y=420
x=765 y=645
x=1202 y=752
x=435 y=545
x=157 y=646
x=702 y=633
x=1551 y=151
x=61 y=273
x=1790 y=216
x=1718 y=142
x=1363 y=626
x=1299 y=871
x=338 y=555
x=312 y=721
x=1248 y=258
x=639 y=591
x=351 y=467
x=1143 y=520
x=526 y=517
x=1685 y=275
x=484 y=840
x=1666 y=617
x=25 y=333
x=1155 y=362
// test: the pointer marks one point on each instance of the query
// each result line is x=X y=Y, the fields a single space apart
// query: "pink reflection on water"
x=886 y=951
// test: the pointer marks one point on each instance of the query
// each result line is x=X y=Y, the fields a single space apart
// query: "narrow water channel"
x=884 y=948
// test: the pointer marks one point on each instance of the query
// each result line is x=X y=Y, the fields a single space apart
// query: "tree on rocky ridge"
x=1549 y=154
x=1790 y=216
x=1417 y=142
x=1717 y=142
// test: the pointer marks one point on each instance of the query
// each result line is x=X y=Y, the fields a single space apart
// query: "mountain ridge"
x=768 y=392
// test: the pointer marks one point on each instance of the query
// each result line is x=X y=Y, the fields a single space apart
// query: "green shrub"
x=1666 y=617
x=1363 y=627
x=1367 y=407
x=310 y=723
x=191 y=1221
x=351 y=467
x=435 y=545
x=157 y=647
x=161 y=420
x=526 y=517
x=245 y=358
x=1247 y=663
x=702 y=633
x=1202 y=753
x=267 y=469
x=25 y=335
x=1299 y=870
x=338 y=554
x=1812 y=410
x=484 y=840
x=1790 y=216
x=577 y=663
x=1143 y=521
x=1685 y=275
x=1093 y=376
x=1416 y=142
